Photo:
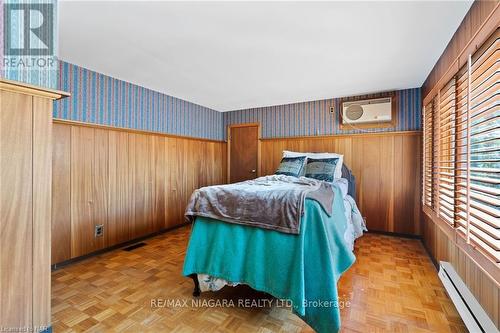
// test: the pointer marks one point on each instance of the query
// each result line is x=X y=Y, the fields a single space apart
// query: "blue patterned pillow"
x=291 y=166
x=321 y=169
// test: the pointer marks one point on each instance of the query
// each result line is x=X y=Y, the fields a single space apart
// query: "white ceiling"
x=234 y=55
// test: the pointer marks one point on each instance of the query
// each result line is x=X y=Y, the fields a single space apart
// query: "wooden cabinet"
x=25 y=205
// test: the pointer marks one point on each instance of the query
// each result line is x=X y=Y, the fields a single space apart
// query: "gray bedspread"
x=271 y=202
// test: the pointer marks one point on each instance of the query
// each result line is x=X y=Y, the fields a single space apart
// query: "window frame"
x=433 y=136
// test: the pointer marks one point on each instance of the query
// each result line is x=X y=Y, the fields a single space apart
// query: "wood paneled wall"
x=387 y=170
x=444 y=244
x=133 y=183
x=481 y=19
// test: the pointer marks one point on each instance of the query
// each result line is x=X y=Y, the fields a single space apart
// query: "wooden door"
x=243 y=152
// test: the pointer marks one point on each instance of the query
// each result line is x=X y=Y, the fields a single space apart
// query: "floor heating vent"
x=133 y=247
x=467 y=306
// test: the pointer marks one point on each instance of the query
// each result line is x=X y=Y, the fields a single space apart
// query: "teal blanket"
x=301 y=268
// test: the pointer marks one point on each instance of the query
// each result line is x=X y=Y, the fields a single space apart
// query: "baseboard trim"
x=394 y=234
x=55 y=267
x=434 y=261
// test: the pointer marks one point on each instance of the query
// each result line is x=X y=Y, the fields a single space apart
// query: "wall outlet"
x=99 y=230
x=332 y=109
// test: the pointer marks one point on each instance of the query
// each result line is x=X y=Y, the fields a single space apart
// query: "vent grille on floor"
x=133 y=247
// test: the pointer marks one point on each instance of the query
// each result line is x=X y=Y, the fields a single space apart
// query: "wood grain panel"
x=16 y=215
x=134 y=183
x=386 y=184
x=370 y=183
x=214 y=154
x=267 y=163
x=142 y=159
x=478 y=23
x=42 y=194
x=386 y=167
x=223 y=148
x=193 y=162
x=173 y=183
x=119 y=210
x=356 y=167
x=399 y=187
x=179 y=179
x=61 y=203
x=412 y=169
x=100 y=184
x=132 y=175
x=82 y=192
x=161 y=183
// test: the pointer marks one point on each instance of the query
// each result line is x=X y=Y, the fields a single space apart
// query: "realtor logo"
x=28 y=29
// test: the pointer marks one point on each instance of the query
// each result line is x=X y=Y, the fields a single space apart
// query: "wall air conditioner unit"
x=377 y=110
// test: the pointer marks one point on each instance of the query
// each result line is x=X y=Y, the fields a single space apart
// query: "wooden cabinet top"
x=30 y=89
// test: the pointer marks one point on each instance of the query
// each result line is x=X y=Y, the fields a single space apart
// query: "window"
x=484 y=148
x=461 y=181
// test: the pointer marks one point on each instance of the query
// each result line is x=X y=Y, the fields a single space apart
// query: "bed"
x=301 y=268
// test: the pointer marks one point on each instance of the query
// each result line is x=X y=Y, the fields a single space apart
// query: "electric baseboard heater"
x=467 y=306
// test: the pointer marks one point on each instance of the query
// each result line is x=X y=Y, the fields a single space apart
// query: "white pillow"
x=338 y=167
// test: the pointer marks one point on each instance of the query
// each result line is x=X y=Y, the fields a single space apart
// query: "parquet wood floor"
x=392 y=287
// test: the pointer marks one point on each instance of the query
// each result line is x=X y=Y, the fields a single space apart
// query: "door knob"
x=253 y=170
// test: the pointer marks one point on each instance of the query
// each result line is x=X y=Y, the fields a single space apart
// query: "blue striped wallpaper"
x=314 y=118
x=100 y=99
